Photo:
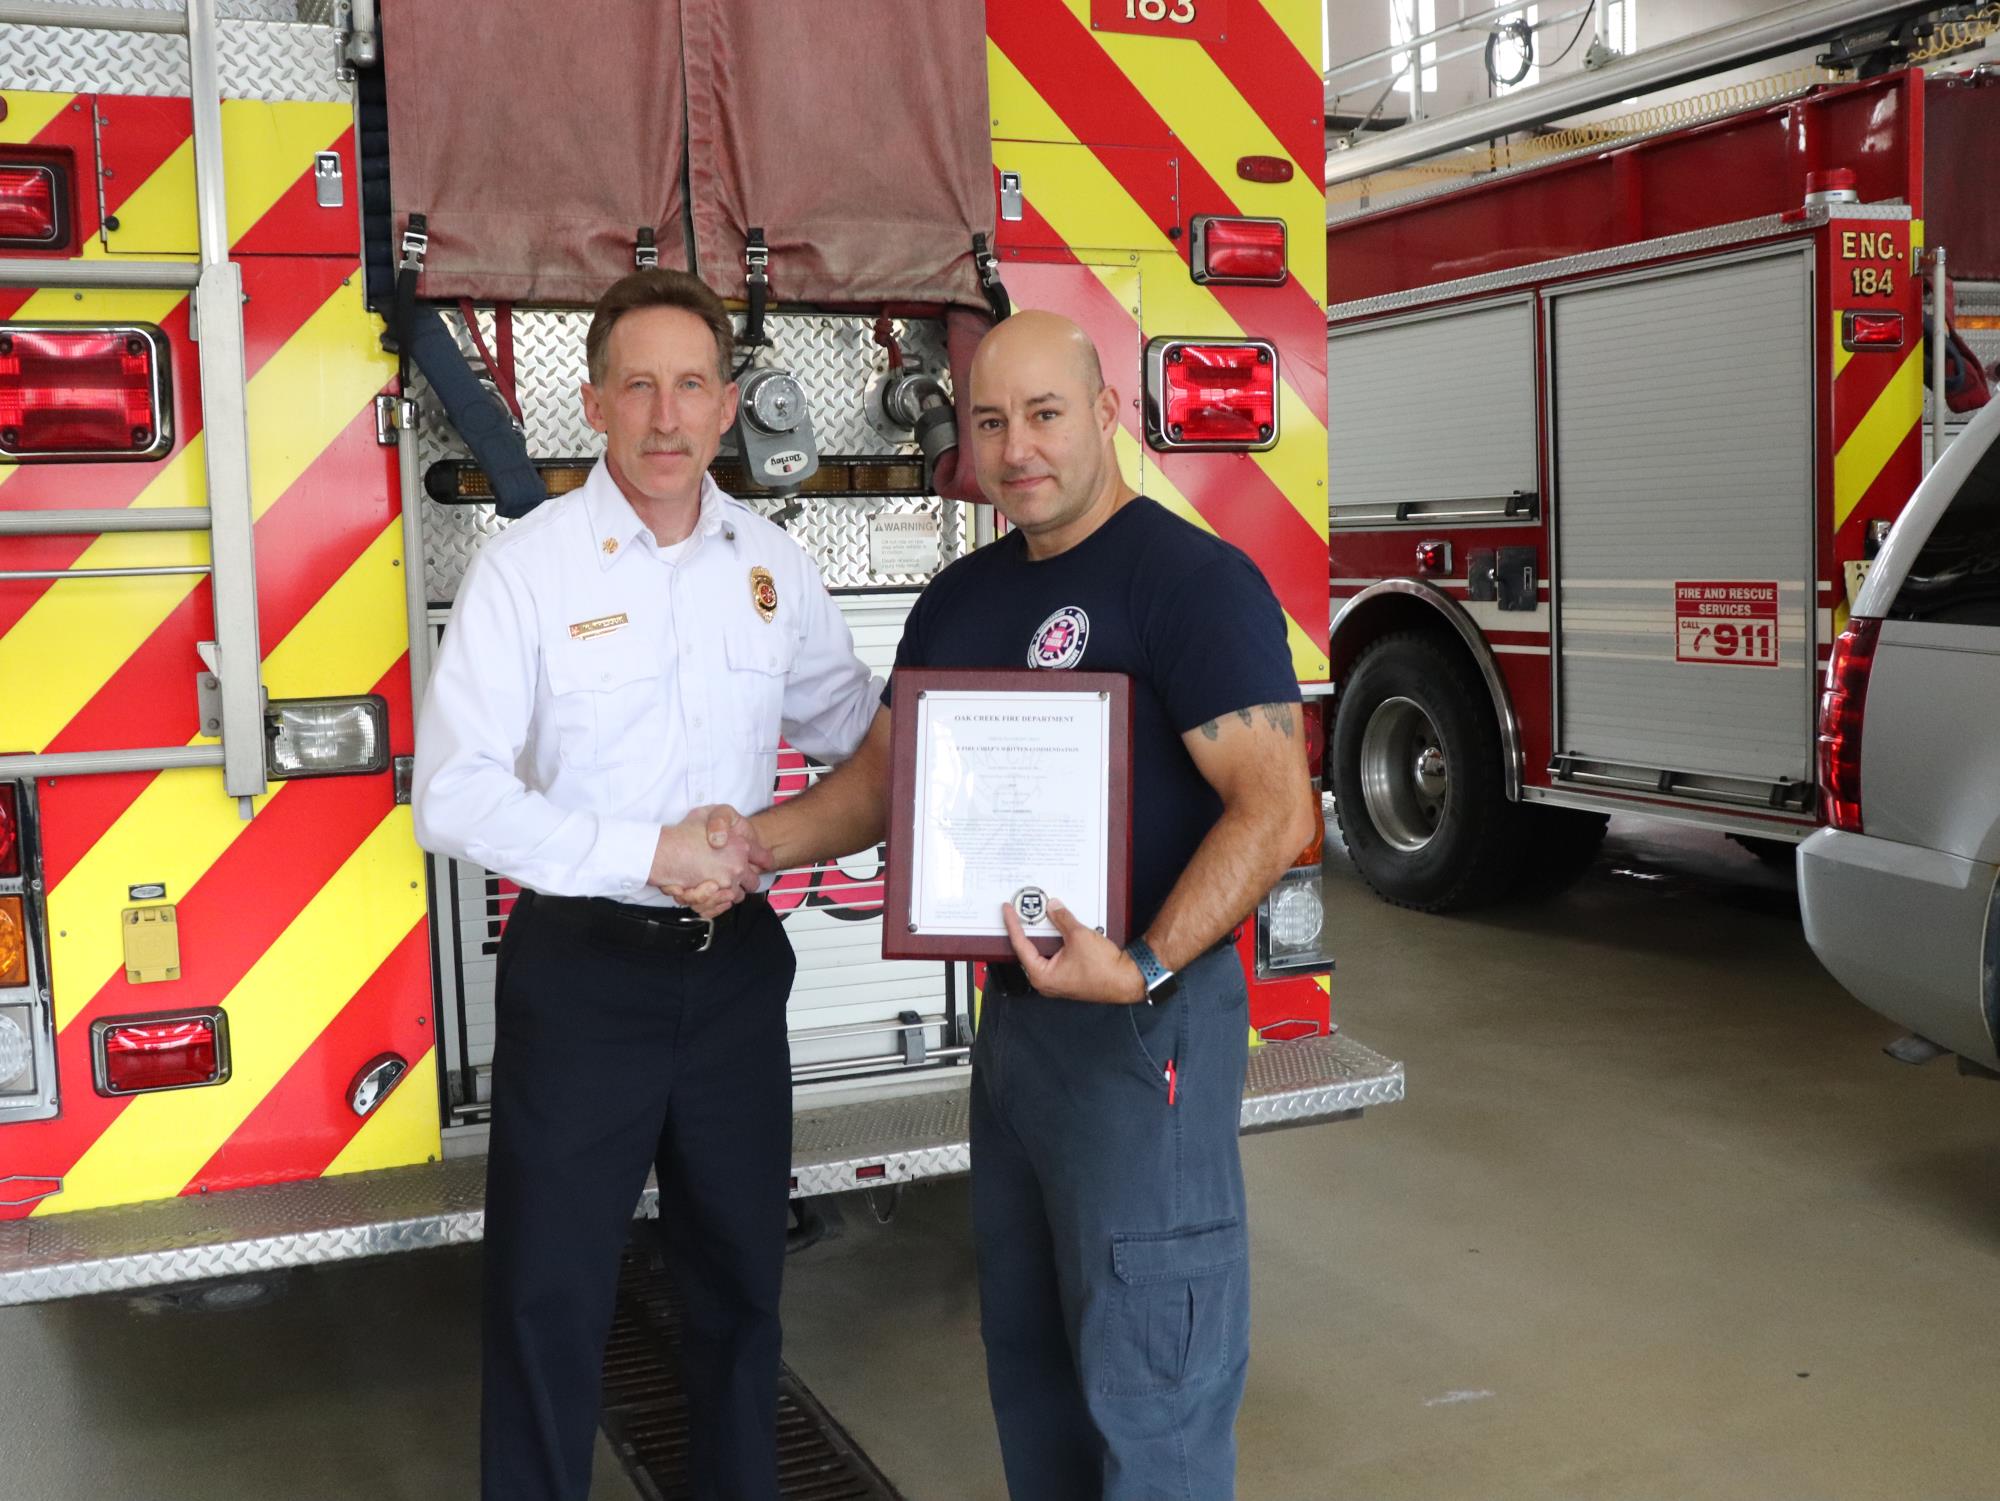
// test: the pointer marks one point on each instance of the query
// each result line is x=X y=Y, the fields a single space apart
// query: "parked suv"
x=1900 y=893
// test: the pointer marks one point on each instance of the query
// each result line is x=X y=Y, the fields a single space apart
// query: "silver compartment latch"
x=1010 y=195
x=327 y=181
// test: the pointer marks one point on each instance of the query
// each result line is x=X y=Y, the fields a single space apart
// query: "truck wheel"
x=1417 y=778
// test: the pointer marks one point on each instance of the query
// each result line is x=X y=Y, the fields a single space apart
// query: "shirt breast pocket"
x=758 y=668
x=607 y=702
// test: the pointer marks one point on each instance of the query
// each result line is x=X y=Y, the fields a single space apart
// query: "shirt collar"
x=615 y=527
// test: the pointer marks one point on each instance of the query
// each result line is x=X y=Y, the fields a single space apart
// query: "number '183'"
x=1180 y=12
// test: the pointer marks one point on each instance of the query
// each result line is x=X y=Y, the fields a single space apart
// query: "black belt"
x=1008 y=977
x=669 y=930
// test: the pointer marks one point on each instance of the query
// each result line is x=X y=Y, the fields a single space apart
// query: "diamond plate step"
x=834 y=1148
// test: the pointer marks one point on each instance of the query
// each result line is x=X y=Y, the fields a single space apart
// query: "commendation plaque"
x=1006 y=788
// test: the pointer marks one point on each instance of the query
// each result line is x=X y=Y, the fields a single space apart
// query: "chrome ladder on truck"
x=233 y=658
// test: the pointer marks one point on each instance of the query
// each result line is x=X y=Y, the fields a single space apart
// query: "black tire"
x=1560 y=844
x=1414 y=846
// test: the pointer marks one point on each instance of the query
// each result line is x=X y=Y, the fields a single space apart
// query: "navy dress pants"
x=1108 y=1215
x=610 y=1060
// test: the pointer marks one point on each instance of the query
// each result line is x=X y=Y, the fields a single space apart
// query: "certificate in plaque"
x=1007 y=788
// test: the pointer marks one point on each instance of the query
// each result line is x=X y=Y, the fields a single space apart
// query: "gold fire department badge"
x=764 y=593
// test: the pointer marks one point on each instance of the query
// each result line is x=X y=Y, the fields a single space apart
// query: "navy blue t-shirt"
x=1182 y=613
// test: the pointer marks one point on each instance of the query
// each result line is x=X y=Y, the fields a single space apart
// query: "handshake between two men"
x=711 y=860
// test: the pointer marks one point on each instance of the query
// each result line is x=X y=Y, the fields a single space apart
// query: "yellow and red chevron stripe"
x=1878 y=409
x=1120 y=140
x=306 y=924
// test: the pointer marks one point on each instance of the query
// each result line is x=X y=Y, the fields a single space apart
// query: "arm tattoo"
x=1277 y=716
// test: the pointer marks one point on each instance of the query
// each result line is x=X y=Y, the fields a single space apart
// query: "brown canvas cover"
x=853 y=134
x=536 y=136
x=1961 y=211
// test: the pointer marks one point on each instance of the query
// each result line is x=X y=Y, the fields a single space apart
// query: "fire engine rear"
x=294 y=305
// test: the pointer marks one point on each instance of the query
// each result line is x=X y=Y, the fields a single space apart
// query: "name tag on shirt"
x=602 y=626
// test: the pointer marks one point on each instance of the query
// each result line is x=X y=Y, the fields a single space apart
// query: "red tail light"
x=1871 y=330
x=160 y=1052
x=1247 y=252
x=10 y=832
x=1840 y=710
x=31 y=204
x=1211 y=395
x=71 y=391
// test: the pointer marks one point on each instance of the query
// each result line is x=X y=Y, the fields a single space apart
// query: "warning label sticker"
x=1734 y=624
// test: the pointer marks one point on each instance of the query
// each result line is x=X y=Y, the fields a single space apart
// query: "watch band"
x=1154 y=974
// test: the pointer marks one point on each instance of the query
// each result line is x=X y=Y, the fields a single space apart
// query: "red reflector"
x=10 y=833
x=28 y=206
x=1433 y=557
x=80 y=390
x=873 y=1170
x=1840 y=710
x=166 y=1054
x=1245 y=251
x=1263 y=169
x=1212 y=395
x=1871 y=330
x=1313 y=712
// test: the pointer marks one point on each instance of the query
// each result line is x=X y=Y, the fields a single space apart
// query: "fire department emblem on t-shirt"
x=1059 y=640
x=763 y=592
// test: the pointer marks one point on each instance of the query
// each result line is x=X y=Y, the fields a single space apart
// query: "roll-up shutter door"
x=1683 y=493
x=1437 y=413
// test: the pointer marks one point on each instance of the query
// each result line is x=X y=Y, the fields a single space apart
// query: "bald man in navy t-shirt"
x=1107 y=1082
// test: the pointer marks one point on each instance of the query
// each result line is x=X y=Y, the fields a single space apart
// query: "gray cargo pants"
x=1108 y=1214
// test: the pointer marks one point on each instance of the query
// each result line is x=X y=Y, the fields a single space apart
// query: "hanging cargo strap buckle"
x=988 y=265
x=646 y=253
x=756 y=258
x=416 y=245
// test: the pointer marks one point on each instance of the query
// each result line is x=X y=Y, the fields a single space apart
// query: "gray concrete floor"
x=1657 y=1220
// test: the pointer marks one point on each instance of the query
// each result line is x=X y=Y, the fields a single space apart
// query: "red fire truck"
x=1612 y=442
x=292 y=306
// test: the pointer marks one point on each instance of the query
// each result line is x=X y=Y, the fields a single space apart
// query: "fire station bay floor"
x=1657 y=1220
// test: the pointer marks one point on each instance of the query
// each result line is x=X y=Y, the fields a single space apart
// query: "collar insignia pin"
x=610 y=546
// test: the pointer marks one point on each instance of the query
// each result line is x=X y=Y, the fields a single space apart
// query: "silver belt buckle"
x=707 y=936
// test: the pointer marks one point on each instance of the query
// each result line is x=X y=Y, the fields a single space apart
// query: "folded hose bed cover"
x=539 y=139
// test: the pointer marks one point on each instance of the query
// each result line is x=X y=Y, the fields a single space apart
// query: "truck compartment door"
x=1684 y=519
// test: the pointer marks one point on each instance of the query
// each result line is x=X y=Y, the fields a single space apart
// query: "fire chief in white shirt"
x=619 y=666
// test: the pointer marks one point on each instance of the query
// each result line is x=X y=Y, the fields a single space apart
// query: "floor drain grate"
x=645 y=1410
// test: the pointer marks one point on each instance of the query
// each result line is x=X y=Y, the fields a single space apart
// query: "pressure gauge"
x=774 y=401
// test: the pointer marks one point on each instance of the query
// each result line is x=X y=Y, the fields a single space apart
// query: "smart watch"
x=1159 y=980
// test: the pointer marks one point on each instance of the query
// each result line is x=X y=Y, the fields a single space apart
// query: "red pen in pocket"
x=1173 y=1081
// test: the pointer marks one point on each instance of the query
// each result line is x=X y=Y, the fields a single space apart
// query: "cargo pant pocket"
x=1170 y=1315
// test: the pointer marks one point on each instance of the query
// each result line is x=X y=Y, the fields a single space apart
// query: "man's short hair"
x=643 y=289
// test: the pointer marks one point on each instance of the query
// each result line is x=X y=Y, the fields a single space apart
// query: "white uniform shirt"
x=593 y=687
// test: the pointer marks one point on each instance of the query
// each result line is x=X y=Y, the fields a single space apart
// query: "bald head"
x=1043 y=428
x=1043 y=340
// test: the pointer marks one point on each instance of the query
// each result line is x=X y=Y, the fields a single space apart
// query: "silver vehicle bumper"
x=834 y=1148
x=1903 y=928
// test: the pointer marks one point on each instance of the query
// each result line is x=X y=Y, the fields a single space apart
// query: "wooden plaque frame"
x=898 y=942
